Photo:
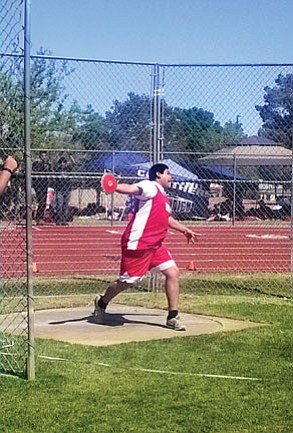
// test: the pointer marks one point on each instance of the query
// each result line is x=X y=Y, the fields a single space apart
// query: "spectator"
x=40 y=169
x=62 y=190
x=9 y=167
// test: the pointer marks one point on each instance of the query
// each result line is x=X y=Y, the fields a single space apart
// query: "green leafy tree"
x=277 y=111
x=92 y=132
x=129 y=123
x=53 y=117
x=11 y=108
x=232 y=132
x=196 y=130
x=193 y=129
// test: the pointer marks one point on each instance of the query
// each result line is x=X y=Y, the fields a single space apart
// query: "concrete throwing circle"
x=124 y=324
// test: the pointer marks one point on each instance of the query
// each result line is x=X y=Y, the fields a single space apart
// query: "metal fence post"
x=156 y=115
x=156 y=139
x=234 y=188
x=291 y=223
x=28 y=189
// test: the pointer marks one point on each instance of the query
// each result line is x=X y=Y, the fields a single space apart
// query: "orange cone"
x=191 y=266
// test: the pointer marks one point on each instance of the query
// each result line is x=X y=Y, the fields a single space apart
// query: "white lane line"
x=267 y=236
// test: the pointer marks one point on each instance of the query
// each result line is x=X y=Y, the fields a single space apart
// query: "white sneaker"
x=99 y=313
x=175 y=324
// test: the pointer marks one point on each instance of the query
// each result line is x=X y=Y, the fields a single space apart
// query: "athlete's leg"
x=172 y=293
x=163 y=262
x=113 y=290
x=101 y=302
x=172 y=287
x=133 y=267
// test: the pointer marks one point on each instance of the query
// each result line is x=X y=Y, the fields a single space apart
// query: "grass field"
x=107 y=390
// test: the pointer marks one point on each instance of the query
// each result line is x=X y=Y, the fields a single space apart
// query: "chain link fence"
x=232 y=171
x=13 y=286
x=225 y=131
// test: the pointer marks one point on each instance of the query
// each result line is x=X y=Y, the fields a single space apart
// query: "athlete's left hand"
x=191 y=236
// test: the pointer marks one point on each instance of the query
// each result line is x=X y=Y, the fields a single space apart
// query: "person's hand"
x=191 y=236
x=10 y=163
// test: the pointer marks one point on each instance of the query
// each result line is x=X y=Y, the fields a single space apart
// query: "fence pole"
x=156 y=115
x=291 y=221
x=234 y=189
x=28 y=189
x=156 y=140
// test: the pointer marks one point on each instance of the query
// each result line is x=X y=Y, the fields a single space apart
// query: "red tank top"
x=149 y=224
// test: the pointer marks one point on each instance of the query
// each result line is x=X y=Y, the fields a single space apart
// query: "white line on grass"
x=148 y=370
x=52 y=358
x=219 y=376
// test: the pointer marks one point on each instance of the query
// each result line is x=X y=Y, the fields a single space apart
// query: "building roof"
x=250 y=154
x=253 y=140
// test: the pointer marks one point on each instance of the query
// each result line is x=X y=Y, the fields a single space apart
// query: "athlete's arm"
x=126 y=188
x=10 y=165
x=189 y=234
x=143 y=190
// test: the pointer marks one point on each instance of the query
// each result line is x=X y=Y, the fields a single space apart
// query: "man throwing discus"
x=142 y=248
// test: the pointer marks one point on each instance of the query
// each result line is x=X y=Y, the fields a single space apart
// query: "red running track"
x=95 y=250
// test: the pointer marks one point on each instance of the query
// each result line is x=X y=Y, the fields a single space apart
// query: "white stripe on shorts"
x=163 y=266
x=126 y=278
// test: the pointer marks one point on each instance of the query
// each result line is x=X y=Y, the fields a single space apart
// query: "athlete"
x=142 y=246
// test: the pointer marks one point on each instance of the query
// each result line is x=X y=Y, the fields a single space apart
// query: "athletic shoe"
x=99 y=313
x=175 y=324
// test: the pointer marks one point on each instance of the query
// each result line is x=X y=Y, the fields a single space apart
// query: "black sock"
x=102 y=304
x=172 y=314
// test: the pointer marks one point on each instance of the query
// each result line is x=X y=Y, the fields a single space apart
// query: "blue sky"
x=171 y=32
x=166 y=31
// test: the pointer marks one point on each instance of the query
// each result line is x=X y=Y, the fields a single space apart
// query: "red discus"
x=109 y=183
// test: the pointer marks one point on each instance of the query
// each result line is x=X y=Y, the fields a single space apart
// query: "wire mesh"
x=225 y=131
x=13 y=292
x=231 y=173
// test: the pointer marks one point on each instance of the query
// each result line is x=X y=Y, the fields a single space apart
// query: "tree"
x=277 y=111
x=11 y=108
x=129 y=123
x=232 y=132
x=51 y=113
x=195 y=129
x=92 y=132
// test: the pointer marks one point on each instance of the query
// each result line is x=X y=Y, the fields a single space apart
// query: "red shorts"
x=136 y=263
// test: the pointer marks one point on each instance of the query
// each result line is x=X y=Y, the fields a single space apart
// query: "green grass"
x=273 y=284
x=82 y=394
x=70 y=292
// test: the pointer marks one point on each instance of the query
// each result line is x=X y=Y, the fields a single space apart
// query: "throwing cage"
x=16 y=310
x=225 y=131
